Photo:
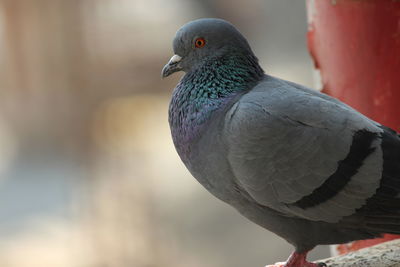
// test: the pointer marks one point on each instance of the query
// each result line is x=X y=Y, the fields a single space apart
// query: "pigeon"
x=293 y=160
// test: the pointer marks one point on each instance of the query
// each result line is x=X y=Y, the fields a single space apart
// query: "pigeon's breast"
x=196 y=129
x=192 y=109
x=209 y=165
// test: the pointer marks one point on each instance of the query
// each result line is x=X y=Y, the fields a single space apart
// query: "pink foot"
x=297 y=260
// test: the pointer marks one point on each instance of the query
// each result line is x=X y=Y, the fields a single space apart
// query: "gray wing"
x=301 y=152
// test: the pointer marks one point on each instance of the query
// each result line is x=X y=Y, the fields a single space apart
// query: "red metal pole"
x=355 y=45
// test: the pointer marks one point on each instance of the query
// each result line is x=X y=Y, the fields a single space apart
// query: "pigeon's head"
x=204 y=39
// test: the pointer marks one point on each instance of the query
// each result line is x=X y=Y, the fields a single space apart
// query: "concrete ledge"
x=382 y=255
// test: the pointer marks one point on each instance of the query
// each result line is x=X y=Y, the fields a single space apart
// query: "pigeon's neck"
x=204 y=91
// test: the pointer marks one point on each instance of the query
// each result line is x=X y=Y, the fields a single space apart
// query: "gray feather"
x=284 y=143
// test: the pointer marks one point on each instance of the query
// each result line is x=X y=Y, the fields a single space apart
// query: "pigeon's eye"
x=200 y=42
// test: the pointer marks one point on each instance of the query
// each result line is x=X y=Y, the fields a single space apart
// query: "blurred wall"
x=88 y=172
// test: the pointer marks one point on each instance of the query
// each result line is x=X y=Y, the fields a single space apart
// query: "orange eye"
x=200 y=42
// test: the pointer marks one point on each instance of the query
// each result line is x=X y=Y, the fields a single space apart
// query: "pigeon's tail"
x=382 y=212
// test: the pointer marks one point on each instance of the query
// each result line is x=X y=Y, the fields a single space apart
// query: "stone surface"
x=382 y=255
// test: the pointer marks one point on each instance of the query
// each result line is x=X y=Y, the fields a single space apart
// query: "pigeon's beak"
x=172 y=66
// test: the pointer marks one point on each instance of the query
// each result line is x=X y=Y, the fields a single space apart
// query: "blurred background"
x=88 y=173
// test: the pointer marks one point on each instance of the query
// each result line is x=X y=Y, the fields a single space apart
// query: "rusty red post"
x=355 y=45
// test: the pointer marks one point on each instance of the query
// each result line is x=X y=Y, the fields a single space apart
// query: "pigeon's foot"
x=297 y=260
